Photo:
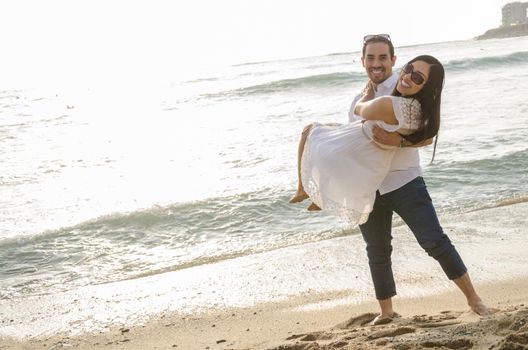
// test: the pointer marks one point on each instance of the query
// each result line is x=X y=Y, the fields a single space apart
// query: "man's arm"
x=395 y=139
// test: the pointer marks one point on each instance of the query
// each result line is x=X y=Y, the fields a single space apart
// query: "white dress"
x=342 y=167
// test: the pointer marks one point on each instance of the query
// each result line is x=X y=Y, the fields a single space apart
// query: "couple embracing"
x=369 y=168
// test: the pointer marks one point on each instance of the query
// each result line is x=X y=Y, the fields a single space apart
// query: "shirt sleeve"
x=408 y=112
x=352 y=117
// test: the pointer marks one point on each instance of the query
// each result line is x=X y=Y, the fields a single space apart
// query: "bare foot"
x=481 y=309
x=313 y=207
x=384 y=319
x=299 y=197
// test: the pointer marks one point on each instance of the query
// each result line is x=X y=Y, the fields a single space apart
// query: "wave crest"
x=336 y=79
x=487 y=62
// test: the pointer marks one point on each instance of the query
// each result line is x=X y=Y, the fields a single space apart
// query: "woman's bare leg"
x=301 y=195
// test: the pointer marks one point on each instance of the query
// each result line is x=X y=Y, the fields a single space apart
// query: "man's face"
x=377 y=62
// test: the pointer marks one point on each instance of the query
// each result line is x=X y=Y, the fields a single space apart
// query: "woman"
x=340 y=167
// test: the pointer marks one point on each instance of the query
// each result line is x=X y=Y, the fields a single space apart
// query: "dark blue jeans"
x=413 y=204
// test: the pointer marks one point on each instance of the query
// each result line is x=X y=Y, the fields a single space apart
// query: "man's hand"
x=394 y=139
x=386 y=138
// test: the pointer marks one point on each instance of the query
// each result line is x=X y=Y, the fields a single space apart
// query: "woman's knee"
x=307 y=128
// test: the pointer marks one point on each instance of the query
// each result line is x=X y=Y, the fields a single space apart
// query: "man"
x=403 y=191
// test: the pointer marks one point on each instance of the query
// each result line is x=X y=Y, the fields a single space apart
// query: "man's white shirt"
x=405 y=165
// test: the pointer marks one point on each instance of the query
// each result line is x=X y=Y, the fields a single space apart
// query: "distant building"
x=514 y=22
x=515 y=13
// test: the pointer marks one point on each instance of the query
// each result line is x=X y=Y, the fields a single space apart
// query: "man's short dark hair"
x=378 y=38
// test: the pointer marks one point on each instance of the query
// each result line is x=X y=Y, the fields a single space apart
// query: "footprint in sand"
x=459 y=344
x=312 y=336
x=514 y=341
x=358 y=321
x=391 y=332
x=446 y=318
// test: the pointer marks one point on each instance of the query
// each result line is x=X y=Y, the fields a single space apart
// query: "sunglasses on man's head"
x=372 y=37
x=415 y=77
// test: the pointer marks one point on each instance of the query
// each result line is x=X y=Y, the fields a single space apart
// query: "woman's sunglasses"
x=415 y=77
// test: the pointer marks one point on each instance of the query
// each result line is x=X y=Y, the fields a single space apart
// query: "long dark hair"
x=429 y=97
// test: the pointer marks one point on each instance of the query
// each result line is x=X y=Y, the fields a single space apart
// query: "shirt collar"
x=386 y=87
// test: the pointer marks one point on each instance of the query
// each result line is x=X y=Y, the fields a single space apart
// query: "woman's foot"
x=299 y=197
x=313 y=207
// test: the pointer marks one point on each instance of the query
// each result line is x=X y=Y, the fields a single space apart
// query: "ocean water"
x=107 y=183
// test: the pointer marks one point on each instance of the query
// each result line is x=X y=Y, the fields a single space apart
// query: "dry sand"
x=435 y=322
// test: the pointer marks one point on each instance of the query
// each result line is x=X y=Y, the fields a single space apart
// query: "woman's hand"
x=368 y=92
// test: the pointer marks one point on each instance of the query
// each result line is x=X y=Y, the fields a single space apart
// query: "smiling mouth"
x=404 y=84
x=376 y=70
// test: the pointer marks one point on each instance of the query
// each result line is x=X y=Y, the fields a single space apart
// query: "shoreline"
x=291 y=325
x=298 y=289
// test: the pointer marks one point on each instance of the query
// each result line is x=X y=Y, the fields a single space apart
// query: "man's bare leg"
x=473 y=300
x=387 y=312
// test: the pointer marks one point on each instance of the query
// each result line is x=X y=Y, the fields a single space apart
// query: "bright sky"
x=115 y=37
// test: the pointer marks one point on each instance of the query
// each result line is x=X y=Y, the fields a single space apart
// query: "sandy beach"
x=229 y=312
x=439 y=321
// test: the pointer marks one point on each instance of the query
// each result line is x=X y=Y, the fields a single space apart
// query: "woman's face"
x=413 y=77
